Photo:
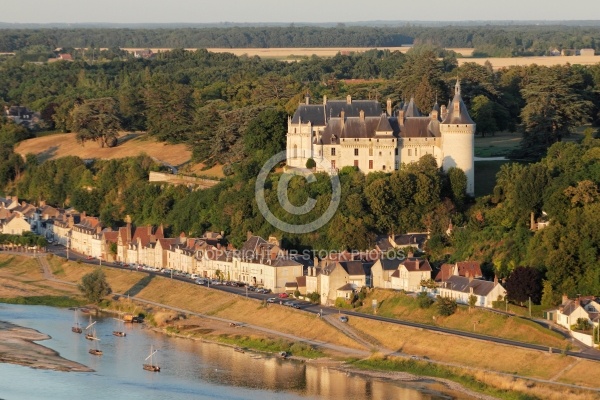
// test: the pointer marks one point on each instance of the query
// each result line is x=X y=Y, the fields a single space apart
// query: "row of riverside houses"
x=258 y=262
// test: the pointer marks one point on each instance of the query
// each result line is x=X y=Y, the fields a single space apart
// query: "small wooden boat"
x=92 y=333
x=95 y=352
x=119 y=333
x=76 y=328
x=151 y=367
x=238 y=349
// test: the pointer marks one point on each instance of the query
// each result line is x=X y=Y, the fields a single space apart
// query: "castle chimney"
x=348 y=99
x=307 y=98
x=362 y=115
x=389 y=107
x=401 y=117
x=444 y=111
x=434 y=114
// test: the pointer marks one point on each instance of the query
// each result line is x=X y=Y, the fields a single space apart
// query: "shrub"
x=424 y=300
x=314 y=297
x=310 y=163
x=446 y=306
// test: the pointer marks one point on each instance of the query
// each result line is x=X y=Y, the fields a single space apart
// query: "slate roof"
x=355 y=268
x=301 y=281
x=464 y=285
x=460 y=117
x=347 y=287
x=390 y=264
x=414 y=264
x=319 y=114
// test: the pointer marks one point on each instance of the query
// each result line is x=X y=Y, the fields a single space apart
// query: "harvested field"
x=130 y=145
x=498 y=63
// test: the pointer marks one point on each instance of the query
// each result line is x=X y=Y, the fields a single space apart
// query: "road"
x=324 y=311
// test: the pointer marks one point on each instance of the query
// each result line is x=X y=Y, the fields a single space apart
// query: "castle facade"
x=338 y=133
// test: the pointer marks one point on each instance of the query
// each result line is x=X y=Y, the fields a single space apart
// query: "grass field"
x=130 y=145
x=398 y=305
x=485 y=176
x=499 y=145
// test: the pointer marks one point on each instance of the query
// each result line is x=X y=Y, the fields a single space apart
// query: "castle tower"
x=458 y=139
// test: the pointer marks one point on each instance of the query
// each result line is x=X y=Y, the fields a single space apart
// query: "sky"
x=292 y=11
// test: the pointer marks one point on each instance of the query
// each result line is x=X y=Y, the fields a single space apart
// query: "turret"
x=458 y=139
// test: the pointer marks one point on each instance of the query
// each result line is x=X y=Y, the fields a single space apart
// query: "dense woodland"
x=233 y=111
x=487 y=40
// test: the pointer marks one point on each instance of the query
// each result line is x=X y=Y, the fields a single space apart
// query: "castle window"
x=294 y=130
x=332 y=164
x=409 y=152
x=333 y=151
x=295 y=154
x=379 y=154
x=396 y=151
x=370 y=164
x=355 y=152
x=356 y=163
x=383 y=168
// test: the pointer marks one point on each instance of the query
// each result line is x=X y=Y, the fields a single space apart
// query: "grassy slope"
x=394 y=304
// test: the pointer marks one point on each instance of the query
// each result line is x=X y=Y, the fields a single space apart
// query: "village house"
x=461 y=288
x=410 y=273
x=15 y=224
x=82 y=234
x=410 y=241
x=462 y=268
x=340 y=278
x=571 y=311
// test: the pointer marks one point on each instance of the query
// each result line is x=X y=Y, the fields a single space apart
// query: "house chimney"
x=315 y=262
x=348 y=99
x=532 y=221
x=361 y=115
x=307 y=98
x=389 y=107
x=248 y=235
x=564 y=298
x=83 y=215
x=495 y=280
x=470 y=278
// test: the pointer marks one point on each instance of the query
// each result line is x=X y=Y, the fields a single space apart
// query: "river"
x=190 y=369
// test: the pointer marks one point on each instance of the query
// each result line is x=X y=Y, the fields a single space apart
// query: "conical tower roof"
x=457 y=110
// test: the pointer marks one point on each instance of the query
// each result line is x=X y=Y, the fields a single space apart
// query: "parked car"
x=343 y=318
x=271 y=299
x=283 y=295
x=292 y=304
x=194 y=276
x=200 y=281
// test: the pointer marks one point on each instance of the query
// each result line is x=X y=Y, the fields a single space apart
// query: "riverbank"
x=17 y=346
x=177 y=307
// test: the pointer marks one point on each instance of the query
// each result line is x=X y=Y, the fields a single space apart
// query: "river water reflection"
x=190 y=369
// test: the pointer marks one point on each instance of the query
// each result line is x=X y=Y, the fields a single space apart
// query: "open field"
x=498 y=63
x=130 y=145
x=485 y=176
x=499 y=145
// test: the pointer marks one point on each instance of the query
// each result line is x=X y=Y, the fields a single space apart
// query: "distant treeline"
x=488 y=40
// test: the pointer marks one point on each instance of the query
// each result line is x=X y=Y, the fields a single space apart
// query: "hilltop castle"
x=357 y=133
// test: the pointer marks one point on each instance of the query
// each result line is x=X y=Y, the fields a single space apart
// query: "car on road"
x=89 y=258
x=271 y=299
x=200 y=281
x=292 y=304
x=344 y=319
x=283 y=295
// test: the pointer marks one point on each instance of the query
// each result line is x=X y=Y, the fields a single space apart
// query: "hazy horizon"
x=274 y=11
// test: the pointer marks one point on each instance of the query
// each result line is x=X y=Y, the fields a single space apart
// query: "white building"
x=337 y=134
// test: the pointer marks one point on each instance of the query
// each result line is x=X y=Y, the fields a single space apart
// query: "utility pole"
x=529 y=306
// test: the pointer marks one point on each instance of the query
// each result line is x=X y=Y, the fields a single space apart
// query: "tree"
x=446 y=306
x=424 y=300
x=314 y=297
x=482 y=110
x=96 y=120
x=472 y=301
x=310 y=163
x=555 y=104
x=524 y=283
x=94 y=286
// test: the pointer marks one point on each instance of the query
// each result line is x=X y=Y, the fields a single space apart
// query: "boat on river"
x=91 y=335
x=151 y=367
x=76 y=328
